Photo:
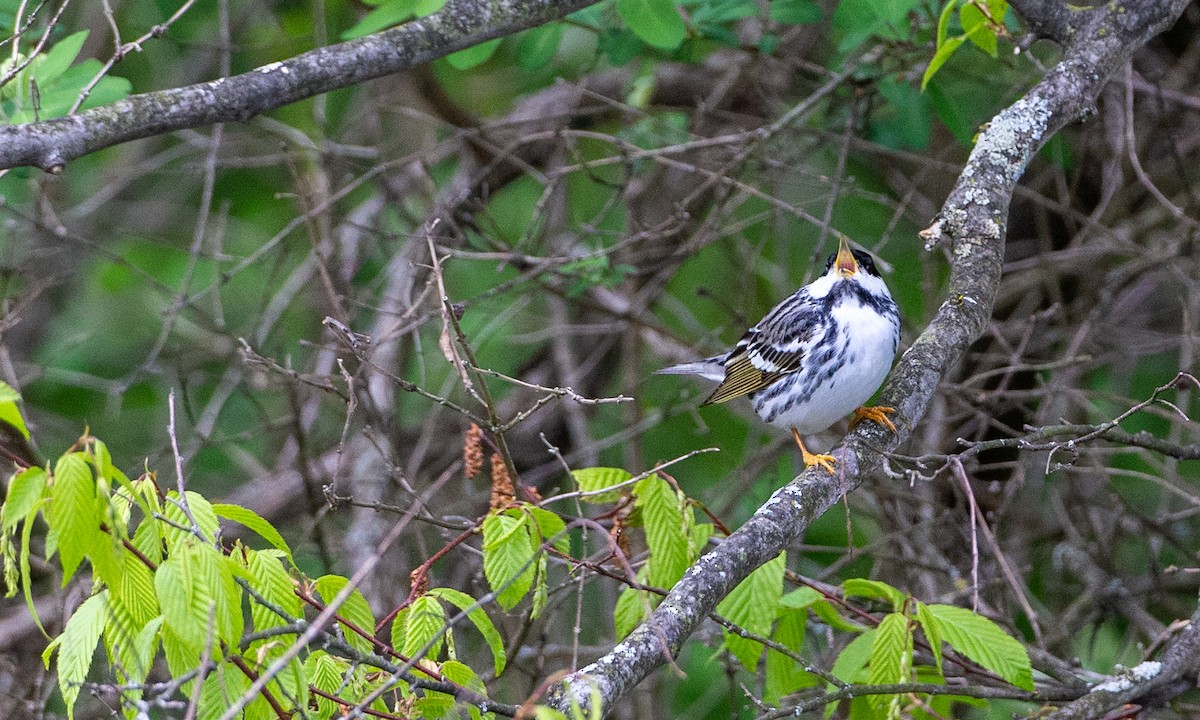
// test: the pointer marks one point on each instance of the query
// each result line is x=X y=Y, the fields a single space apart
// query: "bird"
x=815 y=357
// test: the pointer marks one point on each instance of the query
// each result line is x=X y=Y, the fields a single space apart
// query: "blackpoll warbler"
x=817 y=356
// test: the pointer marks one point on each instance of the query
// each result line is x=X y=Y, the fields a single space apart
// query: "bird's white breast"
x=866 y=345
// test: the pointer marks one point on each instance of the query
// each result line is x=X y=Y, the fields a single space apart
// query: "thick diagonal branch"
x=50 y=144
x=973 y=220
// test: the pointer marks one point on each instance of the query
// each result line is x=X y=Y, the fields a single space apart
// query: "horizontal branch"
x=50 y=144
x=973 y=219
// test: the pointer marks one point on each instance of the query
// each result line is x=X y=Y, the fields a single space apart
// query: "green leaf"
x=801 y=598
x=891 y=661
x=539 y=45
x=550 y=527
x=355 y=609
x=977 y=28
x=853 y=658
x=270 y=580
x=474 y=55
x=254 y=521
x=9 y=412
x=202 y=511
x=984 y=642
x=214 y=572
x=463 y=676
x=135 y=592
x=662 y=516
x=943 y=25
x=325 y=672
x=541 y=590
x=76 y=647
x=73 y=514
x=389 y=13
x=479 y=618
x=858 y=587
x=795 y=12
x=188 y=597
x=508 y=557
x=753 y=605
x=25 y=490
x=54 y=63
x=425 y=625
x=858 y=20
x=629 y=610
x=944 y=51
x=933 y=632
x=594 y=480
x=655 y=21
x=784 y=675
x=619 y=46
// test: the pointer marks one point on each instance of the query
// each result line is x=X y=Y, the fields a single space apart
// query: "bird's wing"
x=772 y=349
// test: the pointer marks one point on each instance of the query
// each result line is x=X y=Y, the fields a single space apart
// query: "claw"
x=878 y=414
x=810 y=459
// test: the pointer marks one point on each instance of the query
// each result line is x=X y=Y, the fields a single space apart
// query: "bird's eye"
x=829 y=262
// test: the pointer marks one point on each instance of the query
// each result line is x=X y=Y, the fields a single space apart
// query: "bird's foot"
x=878 y=414
x=810 y=459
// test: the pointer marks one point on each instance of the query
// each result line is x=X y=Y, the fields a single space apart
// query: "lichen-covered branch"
x=50 y=144
x=973 y=220
x=1148 y=684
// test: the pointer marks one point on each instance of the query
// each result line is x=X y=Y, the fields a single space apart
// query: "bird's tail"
x=712 y=368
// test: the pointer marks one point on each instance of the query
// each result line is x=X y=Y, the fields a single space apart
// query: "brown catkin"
x=473 y=451
x=503 y=492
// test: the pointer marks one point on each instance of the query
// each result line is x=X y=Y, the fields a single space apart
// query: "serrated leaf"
x=550 y=527
x=539 y=45
x=853 y=658
x=984 y=642
x=508 y=557
x=25 y=489
x=655 y=21
x=355 y=609
x=891 y=661
x=73 y=513
x=753 y=605
x=474 y=55
x=200 y=508
x=784 y=675
x=76 y=647
x=662 y=518
x=135 y=592
x=425 y=625
x=597 y=479
x=214 y=572
x=933 y=633
x=479 y=618
x=270 y=580
x=629 y=610
x=325 y=672
x=254 y=521
x=187 y=599
x=858 y=587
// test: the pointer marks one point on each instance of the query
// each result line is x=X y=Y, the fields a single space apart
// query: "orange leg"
x=879 y=414
x=825 y=461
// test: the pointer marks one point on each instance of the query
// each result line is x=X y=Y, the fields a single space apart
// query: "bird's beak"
x=846 y=264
